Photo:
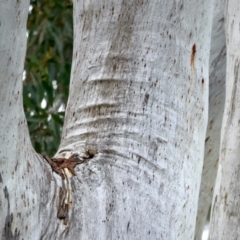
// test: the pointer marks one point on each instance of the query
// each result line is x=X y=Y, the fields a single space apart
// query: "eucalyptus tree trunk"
x=25 y=181
x=226 y=201
x=217 y=71
x=136 y=118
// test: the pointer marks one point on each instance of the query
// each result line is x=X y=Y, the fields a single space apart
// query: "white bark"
x=225 y=215
x=26 y=191
x=138 y=101
x=139 y=97
x=216 y=106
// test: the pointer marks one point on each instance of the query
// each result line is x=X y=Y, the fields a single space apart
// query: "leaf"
x=57 y=119
x=49 y=55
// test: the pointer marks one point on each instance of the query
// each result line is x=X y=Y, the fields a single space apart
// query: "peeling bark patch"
x=60 y=166
x=193 y=54
x=62 y=212
x=7 y=231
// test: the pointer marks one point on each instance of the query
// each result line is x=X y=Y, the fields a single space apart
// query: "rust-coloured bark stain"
x=193 y=54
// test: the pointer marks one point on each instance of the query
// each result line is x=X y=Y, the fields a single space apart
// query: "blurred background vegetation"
x=47 y=71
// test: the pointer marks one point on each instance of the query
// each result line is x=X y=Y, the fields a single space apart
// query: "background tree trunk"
x=138 y=103
x=215 y=113
x=25 y=181
x=225 y=214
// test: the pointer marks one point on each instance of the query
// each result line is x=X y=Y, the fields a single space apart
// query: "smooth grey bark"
x=226 y=201
x=217 y=71
x=138 y=102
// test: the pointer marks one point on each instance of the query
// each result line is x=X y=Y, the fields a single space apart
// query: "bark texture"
x=225 y=222
x=139 y=101
x=26 y=186
x=138 y=106
x=217 y=71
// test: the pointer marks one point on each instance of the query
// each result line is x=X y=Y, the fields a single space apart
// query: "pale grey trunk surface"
x=217 y=77
x=225 y=222
x=138 y=96
x=138 y=101
x=25 y=182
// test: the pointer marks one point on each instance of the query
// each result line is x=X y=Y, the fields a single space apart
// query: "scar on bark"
x=59 y=165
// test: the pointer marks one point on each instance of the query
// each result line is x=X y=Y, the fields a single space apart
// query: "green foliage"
x=48 y=66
